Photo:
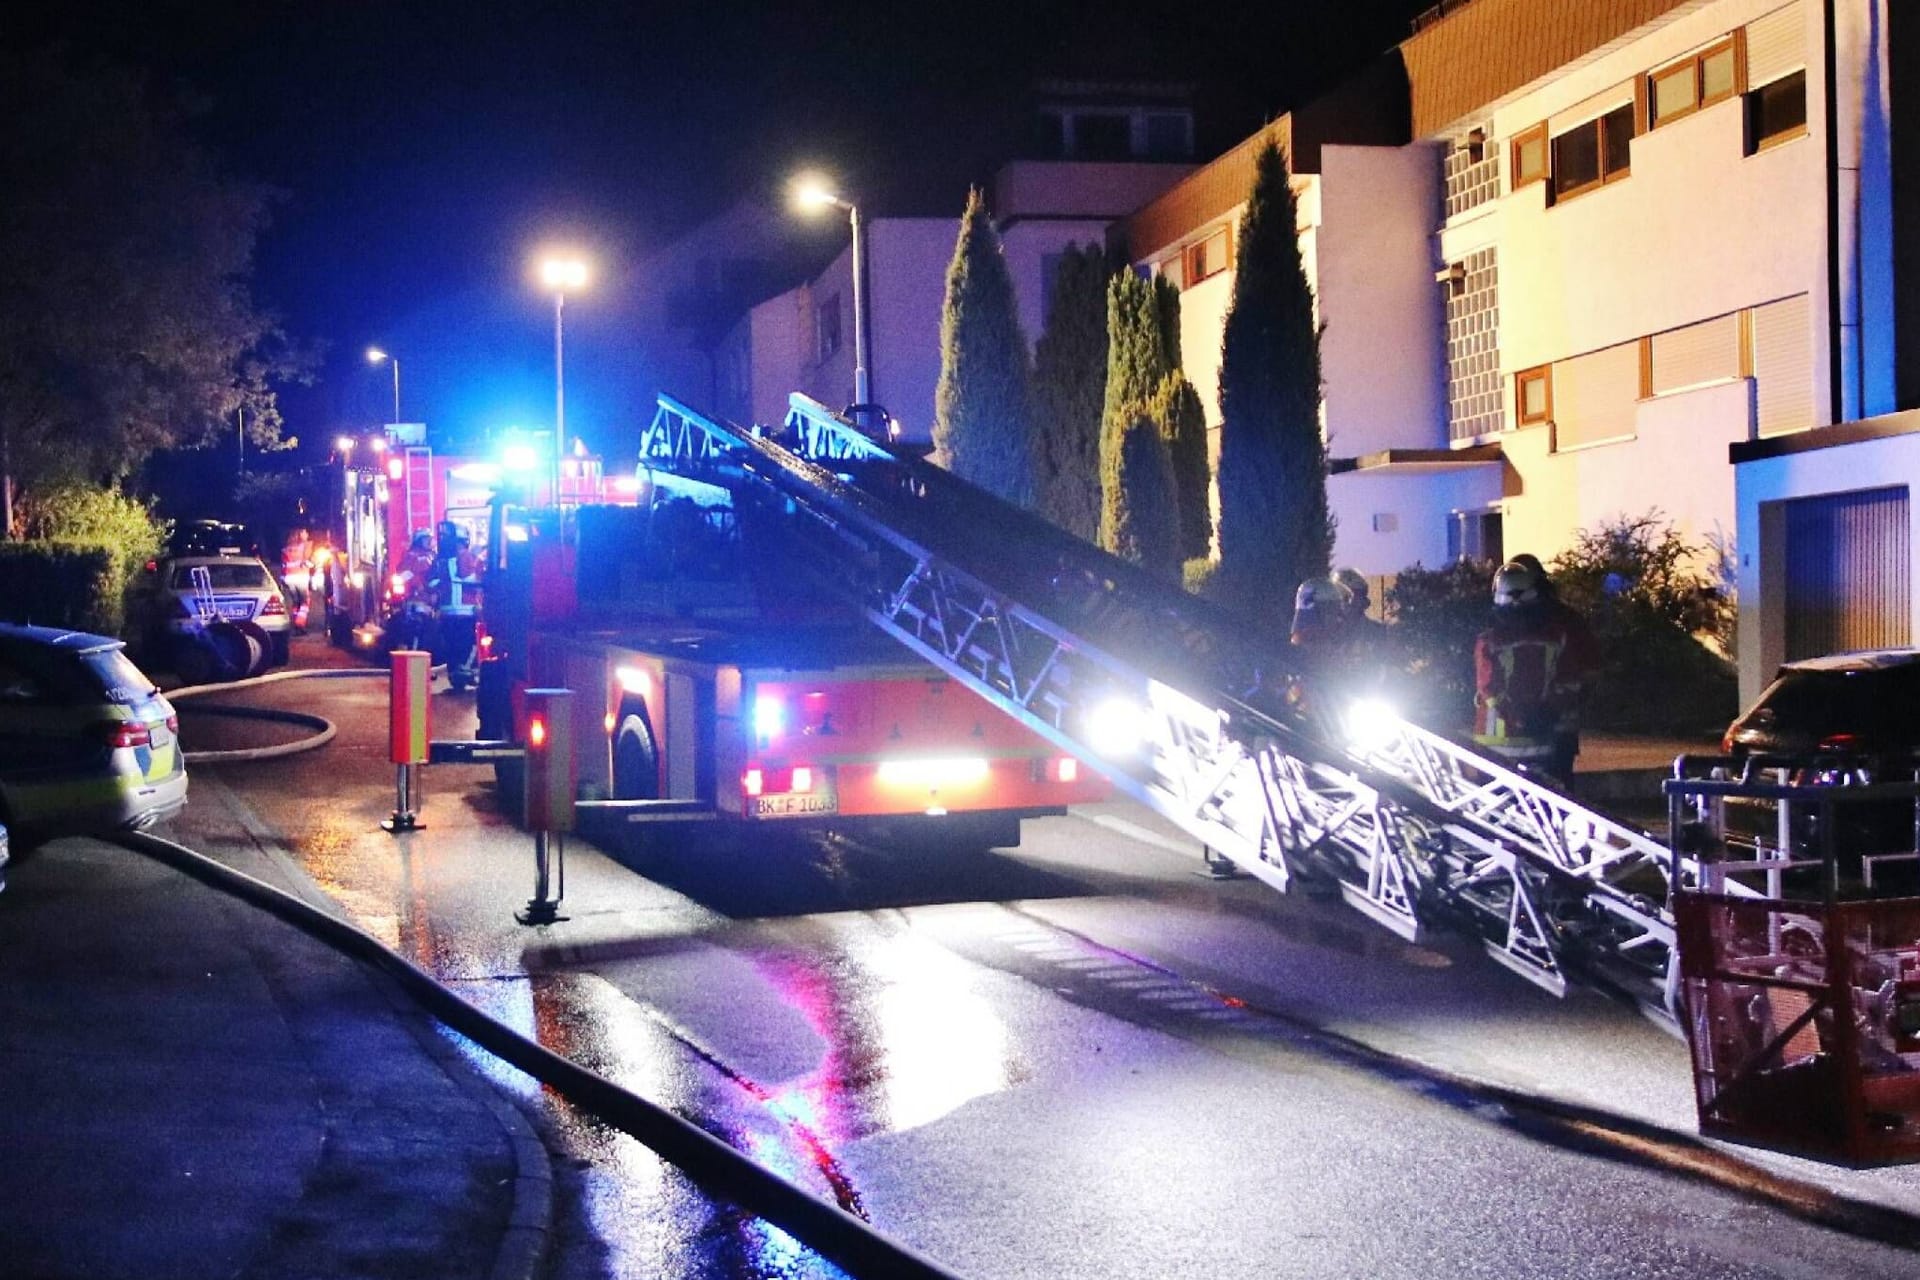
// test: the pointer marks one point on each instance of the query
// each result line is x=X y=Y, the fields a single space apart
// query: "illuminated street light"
x=560 y=274
x=345 y=445
x=374 y=356
x=811 y=193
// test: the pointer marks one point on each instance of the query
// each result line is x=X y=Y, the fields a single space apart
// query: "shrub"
x=93 y=516
x=1650 y=596
x=74 y=584
x=1197 y=576
x=1436 y=614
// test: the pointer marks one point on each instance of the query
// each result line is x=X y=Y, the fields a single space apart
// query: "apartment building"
x=1661 y=258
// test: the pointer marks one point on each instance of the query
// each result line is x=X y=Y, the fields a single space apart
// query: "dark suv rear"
x=1861 y=708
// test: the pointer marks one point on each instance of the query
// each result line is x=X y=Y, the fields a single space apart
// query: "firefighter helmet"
x=422 y=541
x=1320 y=593
x=1358 y=590
x=1516 y=584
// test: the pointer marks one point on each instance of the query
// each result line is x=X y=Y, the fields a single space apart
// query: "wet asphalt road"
x=1074 y=1059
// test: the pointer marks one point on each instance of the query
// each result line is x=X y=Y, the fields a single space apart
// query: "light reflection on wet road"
x=983 y=1056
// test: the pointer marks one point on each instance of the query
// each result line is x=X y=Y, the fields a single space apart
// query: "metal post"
x=862 y=387
x=396 y=388
x=559 y=393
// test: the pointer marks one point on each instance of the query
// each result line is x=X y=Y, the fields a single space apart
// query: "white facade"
x=1598 y=289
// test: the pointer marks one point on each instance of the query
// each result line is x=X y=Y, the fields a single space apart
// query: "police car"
x=87 y=744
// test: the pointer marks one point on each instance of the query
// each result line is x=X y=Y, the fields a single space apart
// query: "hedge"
x=80 y=585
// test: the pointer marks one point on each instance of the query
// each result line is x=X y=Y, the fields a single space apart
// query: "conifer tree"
x=1275 y=527
x=1069 y=391
x=1182 y=420
x=1166 y=319
x=981 y=428
x=1140 y=517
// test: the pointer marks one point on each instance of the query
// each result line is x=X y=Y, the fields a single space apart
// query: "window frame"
x=1601 y=153
x=1194 y=253
x=1695 y=65
x=1758 y=142
x=1543 y=374
x=1520 y=139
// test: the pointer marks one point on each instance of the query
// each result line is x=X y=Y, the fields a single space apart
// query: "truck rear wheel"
x=636 y=765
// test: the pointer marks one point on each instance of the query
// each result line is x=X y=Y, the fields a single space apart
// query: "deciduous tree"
x=126 y=321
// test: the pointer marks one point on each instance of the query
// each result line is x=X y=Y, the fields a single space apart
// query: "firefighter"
x=416 y=570
x=296 y=562
x=1585 y=651
x=1528 y=668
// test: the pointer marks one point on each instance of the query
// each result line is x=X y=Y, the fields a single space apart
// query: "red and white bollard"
x=409 y=727
x=549 y=798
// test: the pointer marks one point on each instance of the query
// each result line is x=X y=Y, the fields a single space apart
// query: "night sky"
x=424 y=149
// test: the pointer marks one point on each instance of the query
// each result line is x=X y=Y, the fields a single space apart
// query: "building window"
x=1533 y=395
x=1595 y=397
x=826 y=329
x=1206 y=258
x=1777 y=112
x=1592 y=153
x=1050 y=134
x=1529 y=156
x=1102 y=136
x=1476 y=535
x=1169 y=136
x=1700 y=81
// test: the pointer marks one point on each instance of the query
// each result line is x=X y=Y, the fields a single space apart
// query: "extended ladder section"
x=419 y=489
x=1185 y=710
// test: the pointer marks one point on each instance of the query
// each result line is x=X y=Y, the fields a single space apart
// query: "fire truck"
x=717 y=681
x=396 y=487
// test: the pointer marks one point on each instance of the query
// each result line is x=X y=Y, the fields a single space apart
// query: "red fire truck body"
x=711 y=681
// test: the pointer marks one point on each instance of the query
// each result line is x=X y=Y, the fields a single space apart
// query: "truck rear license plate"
x=802 y=804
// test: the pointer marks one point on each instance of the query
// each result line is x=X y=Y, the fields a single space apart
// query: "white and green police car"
x=87 y=744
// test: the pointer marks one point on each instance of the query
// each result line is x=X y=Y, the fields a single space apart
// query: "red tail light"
x=753 y=782
x=173 y=724
x=1840 y=742
x=124 y=733
x=275 y=608
x=802 y=779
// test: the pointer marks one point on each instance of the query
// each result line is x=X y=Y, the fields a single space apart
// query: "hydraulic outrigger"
x=1175 y=702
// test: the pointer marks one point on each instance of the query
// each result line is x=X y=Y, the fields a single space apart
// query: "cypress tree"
x=981 y=426
x=1166 y=319
x=1069 y=391
x=1133 y=375
x=1275 y=527
x=1182 y=420
x=1140 y=517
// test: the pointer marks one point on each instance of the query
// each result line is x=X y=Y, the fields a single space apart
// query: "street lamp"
x=560 y=274
x=374 y=356
x=811 y=193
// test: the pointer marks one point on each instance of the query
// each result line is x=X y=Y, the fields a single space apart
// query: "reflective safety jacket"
x=1528 y=669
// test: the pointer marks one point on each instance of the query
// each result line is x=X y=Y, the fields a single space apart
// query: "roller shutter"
x=1776 y=45
x=1783 y=366
x=1595 y=395
x=1847 y=572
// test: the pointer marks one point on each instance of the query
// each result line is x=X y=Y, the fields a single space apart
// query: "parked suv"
x=1858 y=708
x=173 y=605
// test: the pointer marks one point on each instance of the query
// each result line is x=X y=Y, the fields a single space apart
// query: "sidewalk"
x=195 y=1088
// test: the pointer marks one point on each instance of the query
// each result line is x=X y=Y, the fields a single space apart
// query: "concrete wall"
x=1102 y=191
x=1027 y=246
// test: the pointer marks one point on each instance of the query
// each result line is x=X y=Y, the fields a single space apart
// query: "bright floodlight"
x=519 y=457
x=1372 y=725
x=563 y=273
x=1117 y=727
x=375 y=355
x=343 y=443
x=812 y=192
